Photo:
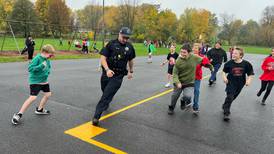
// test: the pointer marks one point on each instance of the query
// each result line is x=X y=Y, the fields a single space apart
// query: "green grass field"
x=141 y=50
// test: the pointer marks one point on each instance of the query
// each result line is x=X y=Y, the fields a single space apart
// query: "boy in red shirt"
x=198 y=76
x=267 y=78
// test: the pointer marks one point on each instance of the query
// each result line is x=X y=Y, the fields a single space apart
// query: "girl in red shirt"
x=267 y=78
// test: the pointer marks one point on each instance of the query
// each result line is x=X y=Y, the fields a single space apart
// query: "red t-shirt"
x=199 y=71
x=268 y=74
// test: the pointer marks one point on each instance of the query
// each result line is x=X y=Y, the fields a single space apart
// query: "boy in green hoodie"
x=39 y=70
x=184 y=77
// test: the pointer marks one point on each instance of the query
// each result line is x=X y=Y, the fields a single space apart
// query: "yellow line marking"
x=135 y=104
x=87 y=131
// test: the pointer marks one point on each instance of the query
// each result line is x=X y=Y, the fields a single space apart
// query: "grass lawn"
x=141 y=50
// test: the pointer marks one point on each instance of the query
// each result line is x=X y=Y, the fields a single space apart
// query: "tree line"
x=148 y=21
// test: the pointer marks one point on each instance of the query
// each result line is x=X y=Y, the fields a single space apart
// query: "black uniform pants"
x=232 y=92
x=109 y=87
x=266 y=85
x=30 y=53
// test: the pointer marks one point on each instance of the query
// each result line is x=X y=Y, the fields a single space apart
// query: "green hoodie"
x=38 y=73
x=184 y=69
x=151 y=48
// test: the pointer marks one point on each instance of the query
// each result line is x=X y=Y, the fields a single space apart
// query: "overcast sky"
x=242 y=9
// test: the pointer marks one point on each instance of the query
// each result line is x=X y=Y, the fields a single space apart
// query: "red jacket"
x=199 y=71
x=268 y=68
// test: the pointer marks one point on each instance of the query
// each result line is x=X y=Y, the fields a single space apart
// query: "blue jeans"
x=196 y=94
x=214 y=73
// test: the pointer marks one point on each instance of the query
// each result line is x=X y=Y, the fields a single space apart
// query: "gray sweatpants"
x=186 y=98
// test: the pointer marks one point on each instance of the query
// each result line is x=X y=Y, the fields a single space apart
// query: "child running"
x=199 y=76
x=184 y=77
x=267 y=78
x=151 y=50
x=234 y=76
x=39 y=70
x=171 y=60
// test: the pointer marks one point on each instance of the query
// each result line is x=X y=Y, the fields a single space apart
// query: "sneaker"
x=15 y=119
x=210 y=82
x=195 y=111
x=258 y=94
x=42 y=111
x=263 y=102
x=183 y=105
x=226 y=118
x=167 y=85
x=188 y=105
x=95 y=122
x=170 y=110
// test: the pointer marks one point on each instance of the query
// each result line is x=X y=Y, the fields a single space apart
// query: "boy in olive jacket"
x=39 y=70
x=184 y=77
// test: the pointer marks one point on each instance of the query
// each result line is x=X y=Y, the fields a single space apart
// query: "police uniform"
x=117 y=56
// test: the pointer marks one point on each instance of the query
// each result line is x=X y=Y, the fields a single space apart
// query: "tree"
x=6 y=7
x=147 y=17
x=91 y=16
x=267 y=28
x=167 y=24
x=248 y=33
x=58 y=17
x=230 y=28
x=127 y=12
x=24 y=17
x=41 y=8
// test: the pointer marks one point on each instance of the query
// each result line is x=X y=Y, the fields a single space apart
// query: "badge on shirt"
x=126 y=48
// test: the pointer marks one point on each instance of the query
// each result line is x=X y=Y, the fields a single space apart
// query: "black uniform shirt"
x=118 y=55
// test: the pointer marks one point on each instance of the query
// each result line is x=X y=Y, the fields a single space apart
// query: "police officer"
x=115 y=57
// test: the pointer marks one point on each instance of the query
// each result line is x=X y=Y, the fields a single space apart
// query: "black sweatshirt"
x=217 y=56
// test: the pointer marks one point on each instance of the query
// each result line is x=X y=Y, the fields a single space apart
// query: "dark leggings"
x=266 y=85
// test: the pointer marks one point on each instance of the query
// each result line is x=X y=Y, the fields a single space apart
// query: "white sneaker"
x=15 y=119
x=167 y=85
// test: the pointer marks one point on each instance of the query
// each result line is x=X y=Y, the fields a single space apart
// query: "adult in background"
x=30 y=43
x=217 y=56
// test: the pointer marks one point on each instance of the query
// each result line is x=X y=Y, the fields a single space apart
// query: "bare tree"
x=128 y=9
x=267 y=28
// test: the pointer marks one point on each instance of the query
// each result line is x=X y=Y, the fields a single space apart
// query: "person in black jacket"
x=216 y=56
x=30 y=46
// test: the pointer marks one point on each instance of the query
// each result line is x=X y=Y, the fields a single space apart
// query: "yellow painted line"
x=87 y=131
x=135 y=104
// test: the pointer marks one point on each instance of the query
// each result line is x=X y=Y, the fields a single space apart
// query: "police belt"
x=119 y=71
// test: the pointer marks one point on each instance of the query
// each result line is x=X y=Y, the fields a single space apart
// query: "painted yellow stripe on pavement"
x=87 y=131
x=135 y=104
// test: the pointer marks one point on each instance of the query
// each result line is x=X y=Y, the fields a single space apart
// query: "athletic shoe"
x=188 y=105
x=210 y=82
x=183 y=105
x=195 y=111
x=170 y=110
x=95 y=122
x=15 y=119
x=263 y=102
x=167 y=85
x=42 y=111
x=226 y=118
x=258 y=94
